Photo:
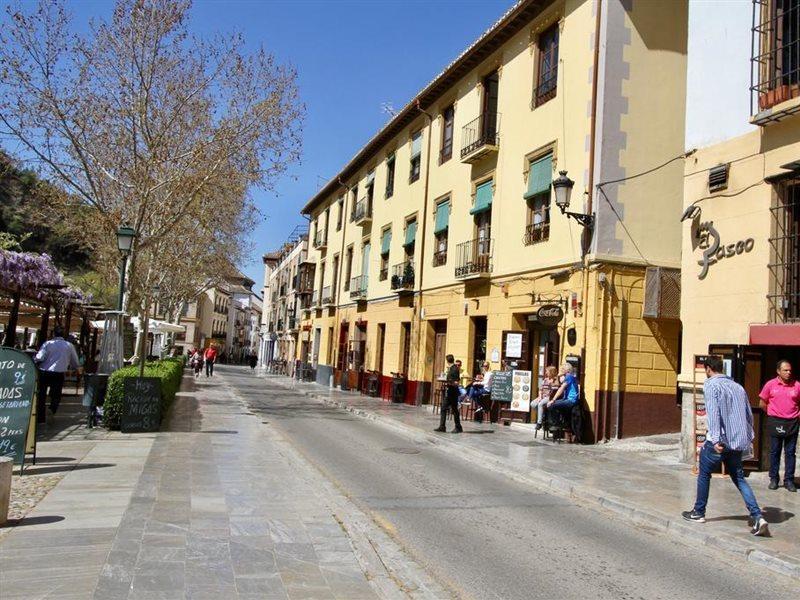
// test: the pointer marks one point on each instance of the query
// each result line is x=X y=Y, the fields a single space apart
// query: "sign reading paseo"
x=716 y=251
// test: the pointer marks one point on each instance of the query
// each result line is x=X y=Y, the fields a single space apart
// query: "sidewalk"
x=215 y=505
x=647 y=488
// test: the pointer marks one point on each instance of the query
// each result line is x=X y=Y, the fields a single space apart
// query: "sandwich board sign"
x=141 y=404
x=17 y=388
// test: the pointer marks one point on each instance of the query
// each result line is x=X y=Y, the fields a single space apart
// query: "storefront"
x=741 y=267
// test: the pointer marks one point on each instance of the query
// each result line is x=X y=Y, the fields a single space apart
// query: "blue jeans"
x=709 y=461
x=789 y=445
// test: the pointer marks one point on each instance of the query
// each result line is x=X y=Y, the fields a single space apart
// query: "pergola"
x=34 y=298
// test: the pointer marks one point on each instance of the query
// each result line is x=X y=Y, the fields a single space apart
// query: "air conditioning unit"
x=662 y=294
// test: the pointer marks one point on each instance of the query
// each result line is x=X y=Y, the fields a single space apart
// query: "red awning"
x=775 y=335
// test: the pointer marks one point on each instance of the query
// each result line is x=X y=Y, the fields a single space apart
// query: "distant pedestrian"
x=729 y=437
x=210 y=357
x=197 y=363
x=781 y=396
x=450 y=400
x=252 y=359
x=54 y=359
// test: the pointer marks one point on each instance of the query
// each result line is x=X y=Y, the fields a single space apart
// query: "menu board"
x=17 y=387
x=514 y=345
x=521 y=391
x=141 y=404
x=502 y=386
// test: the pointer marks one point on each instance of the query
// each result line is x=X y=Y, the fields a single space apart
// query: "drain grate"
x=403 y=450
x=530 y=444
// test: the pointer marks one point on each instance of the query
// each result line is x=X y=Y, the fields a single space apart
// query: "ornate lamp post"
x=562 y=188
x=125 y=237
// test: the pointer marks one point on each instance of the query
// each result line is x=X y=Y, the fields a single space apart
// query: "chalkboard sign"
x=502 y=386
x=141 y=404
x=17 y=386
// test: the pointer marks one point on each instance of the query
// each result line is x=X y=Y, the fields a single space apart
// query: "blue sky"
x=351 y=56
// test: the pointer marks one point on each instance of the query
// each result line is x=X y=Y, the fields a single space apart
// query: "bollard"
x=6 y=465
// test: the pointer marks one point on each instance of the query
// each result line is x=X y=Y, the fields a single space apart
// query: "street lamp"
x=562 y=188
x=125 y=237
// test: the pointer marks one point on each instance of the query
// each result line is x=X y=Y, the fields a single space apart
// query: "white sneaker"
x=761 y=527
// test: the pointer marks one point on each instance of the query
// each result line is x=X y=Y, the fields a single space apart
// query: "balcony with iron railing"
x=358 y=287
x=363 y=211
x=480 y=137
x=775 y=60
x=474 y=258
x=321 y=240
x=327 y=296
x=403 y=276
x=536 y=232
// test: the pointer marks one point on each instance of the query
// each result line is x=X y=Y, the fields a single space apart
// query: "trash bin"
x=374 y=386
x=398 y=389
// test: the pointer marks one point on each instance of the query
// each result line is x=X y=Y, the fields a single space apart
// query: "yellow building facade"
x=442 y=236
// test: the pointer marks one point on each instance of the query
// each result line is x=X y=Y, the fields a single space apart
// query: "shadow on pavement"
x=24 y=521
x=34 y=470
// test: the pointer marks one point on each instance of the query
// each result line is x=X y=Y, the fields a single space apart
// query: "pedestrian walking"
x=210 y=357
x=252 y=360
x=729 y=437
x=54 y=359
x=781 y=397
x=197 y=363
x=450 y=400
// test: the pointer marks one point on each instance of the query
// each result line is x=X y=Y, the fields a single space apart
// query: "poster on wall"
x=514 y=345
x=521 y=390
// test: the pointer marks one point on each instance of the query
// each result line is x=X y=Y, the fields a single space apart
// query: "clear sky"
x=351 y=56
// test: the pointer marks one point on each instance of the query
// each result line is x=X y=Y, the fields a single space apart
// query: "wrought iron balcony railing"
x=536 y=232
x=327 y=295
x=403 y=276
x=363 y=211
x=358 y=287
x=474 y=258
x=480 y=136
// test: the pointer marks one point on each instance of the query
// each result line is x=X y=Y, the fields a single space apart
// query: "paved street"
x=216 y=505
x=485 y=535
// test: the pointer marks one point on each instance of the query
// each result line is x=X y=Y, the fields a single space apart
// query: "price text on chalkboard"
x=502 y=386
x=17 y=386
x=141 y=404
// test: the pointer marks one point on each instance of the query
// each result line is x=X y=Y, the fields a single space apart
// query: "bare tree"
x=145 y=124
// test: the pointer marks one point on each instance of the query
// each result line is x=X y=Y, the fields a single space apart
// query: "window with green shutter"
x=386 y=241
x=540 y=176
x=483 y=198
x=411 y=233
x=442 y=217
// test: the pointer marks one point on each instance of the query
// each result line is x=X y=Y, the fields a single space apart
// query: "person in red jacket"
x=210 y=358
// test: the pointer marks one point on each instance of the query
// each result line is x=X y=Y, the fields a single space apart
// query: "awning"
x=442 y=216
x=775 y=335
x=156 y=326
x=386 y=241
x=540 y=176
x=411 y=233
x=483 y=198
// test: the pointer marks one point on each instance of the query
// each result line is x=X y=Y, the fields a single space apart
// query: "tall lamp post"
x=125 y=237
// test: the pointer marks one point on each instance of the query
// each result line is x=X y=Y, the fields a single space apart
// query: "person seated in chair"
x=481 y=390
x=566 y=397
x=546 y=390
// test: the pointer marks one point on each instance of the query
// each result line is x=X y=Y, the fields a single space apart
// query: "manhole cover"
x=403 y=450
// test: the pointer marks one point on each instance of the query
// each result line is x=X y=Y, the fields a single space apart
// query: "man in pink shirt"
x=781 y=397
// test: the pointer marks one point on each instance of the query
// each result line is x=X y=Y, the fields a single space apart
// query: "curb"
x=731 y=545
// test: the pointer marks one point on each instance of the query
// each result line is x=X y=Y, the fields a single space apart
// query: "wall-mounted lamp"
x=562 y=188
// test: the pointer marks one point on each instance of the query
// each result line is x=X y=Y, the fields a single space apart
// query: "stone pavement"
x=647 y=488
x=216 y=505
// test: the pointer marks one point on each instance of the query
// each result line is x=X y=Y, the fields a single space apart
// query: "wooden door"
x=381 y=347
x=439 y=349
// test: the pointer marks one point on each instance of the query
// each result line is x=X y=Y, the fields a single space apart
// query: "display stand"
x=699 y=423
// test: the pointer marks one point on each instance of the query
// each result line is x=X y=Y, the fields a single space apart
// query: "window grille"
x=785 y=246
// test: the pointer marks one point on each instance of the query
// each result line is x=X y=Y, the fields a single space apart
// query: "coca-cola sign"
x=549 y=314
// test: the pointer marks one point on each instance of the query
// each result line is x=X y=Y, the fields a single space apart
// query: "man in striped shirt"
x=730 y=435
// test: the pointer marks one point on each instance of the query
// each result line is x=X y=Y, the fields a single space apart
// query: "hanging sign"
x=550 y=314
x=17 y=387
